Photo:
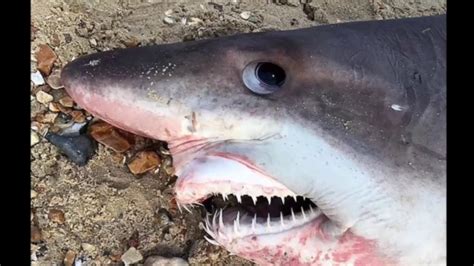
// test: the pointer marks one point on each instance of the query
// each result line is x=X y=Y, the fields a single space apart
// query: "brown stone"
x=56 y=216
x=143 y=162
x=109 y=136
x=46 y=58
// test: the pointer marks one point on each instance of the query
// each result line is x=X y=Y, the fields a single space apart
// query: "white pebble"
x=131 y=256
x=168 y=20
x=245 y=15
x=37 y=78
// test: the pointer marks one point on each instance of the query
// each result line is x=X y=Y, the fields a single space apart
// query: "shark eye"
x=263 y=77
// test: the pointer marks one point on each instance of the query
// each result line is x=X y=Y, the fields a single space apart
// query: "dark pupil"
x=270 y=74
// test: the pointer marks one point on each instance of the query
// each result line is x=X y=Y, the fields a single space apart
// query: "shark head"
x=321 y=146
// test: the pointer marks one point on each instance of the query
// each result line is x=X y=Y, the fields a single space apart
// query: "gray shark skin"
x=341 y=160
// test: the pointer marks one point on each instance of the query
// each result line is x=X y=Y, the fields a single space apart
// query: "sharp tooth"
x=235 y=227
x=179 y=208
x=186 y=208
x=237 y=223
x=224 y=197
x=254 y=199
x=239 y=199
x=302 y=211
x=254 y=222
x=294 y=197
x=269 y=198
x=281 y=219
x=221 y=222
x=293 y=215
x=283 y=200
x=238 y=219
x=211 y=241
x=311 y=209
x=214 y=220
x=268 y=221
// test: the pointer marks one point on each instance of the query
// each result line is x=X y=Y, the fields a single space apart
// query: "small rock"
x=74 y=129
x=93 y=42
x=78 y=149
x=116 y=257
x=168 y=20
x=168 y=12
x=293 y=2
x=88 y=247
x=54 y=107
x=143 y=162
x=109 y=136
x=44 y=97
x=66 y=101
x=131 y=42
x=56 y=216
x=162 y=261
x=194 y=21
x=78 y=116
x=245 y=15
x=36 y=235
x=33 y=194
x=46 y=118
x=39 y=127
x=69 y=258
x=37 y=78
x=54 y=80
x=46 y=58
x=164 y=216
x=34 y=138
x=131 y=256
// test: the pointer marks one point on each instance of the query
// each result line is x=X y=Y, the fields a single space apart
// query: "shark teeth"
x=219 y=227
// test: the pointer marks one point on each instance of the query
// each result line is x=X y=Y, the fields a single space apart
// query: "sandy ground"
x=106 y=208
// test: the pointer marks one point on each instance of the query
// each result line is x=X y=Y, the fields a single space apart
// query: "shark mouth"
x=241 y=200
x=240 y=216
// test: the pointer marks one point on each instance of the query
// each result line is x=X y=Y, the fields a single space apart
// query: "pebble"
x=78 y=149
x=46 y=58
x=69 y=258
x=88 y=247
x=54 y=107
x=245 y=15
x=143 y=162
x=109 y=136
x=54 y=80
x=36 y=235
x=33 y=194
x=34 y=138
x=44 y=97
x=37 y=78
x=168 y=20
x=162 y=261
x=56 y=216
x=78 y=116
x=75 y=129
x=131 y=256
x=46 y=118
x=66 y=101
x=168 y=12
x=93 y=42
x=194 y=21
